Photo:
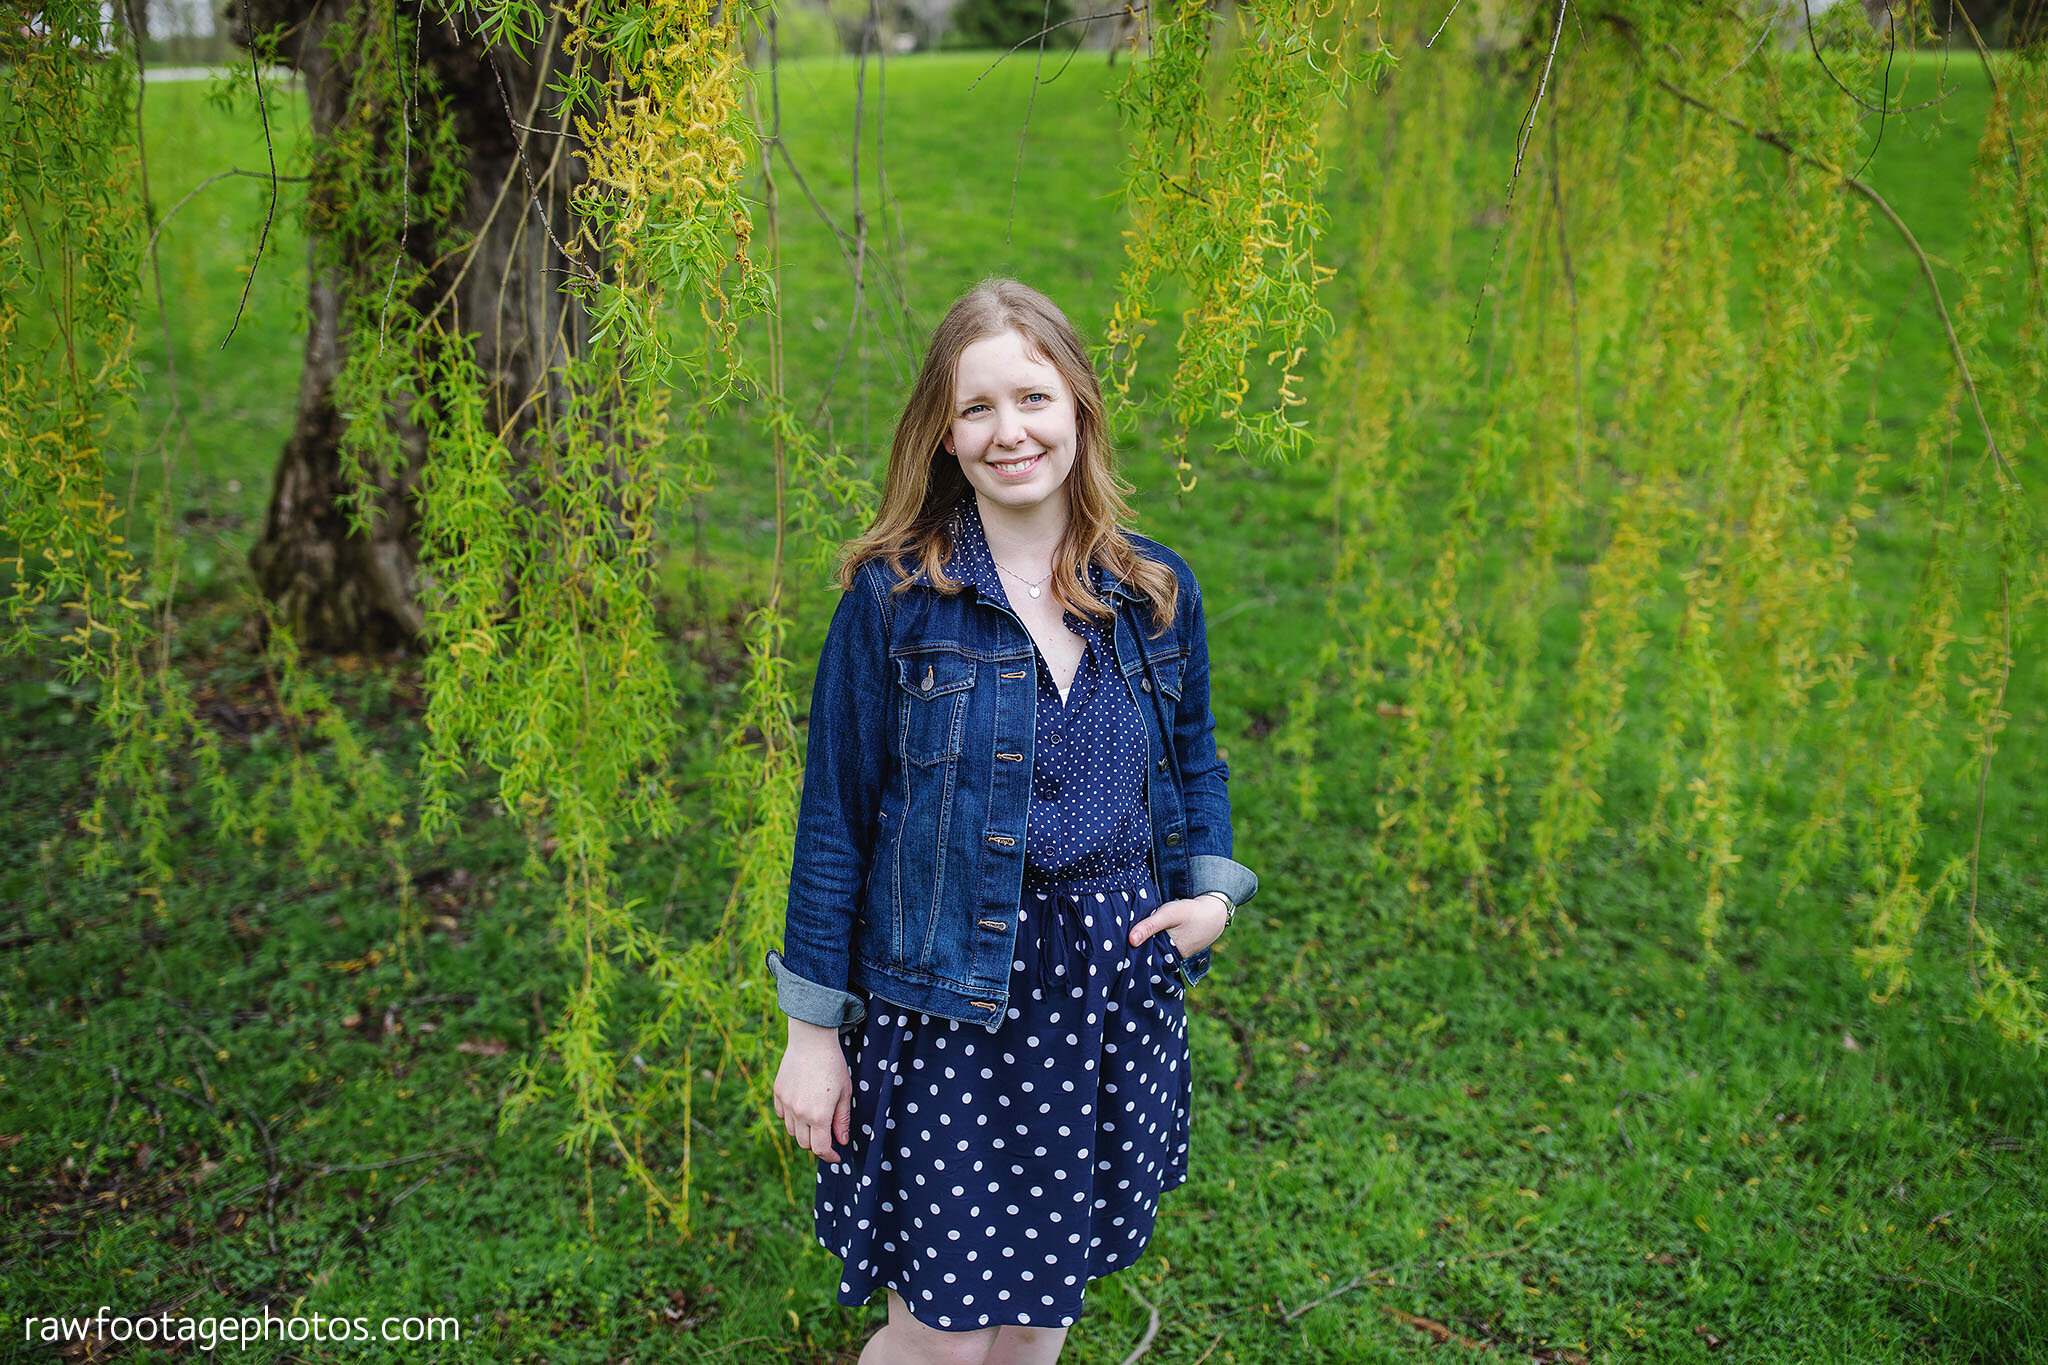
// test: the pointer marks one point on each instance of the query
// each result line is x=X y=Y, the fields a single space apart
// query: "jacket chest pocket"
x=1167 y=668
x=932 y=690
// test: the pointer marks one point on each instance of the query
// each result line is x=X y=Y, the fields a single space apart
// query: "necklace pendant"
x=1034 y=591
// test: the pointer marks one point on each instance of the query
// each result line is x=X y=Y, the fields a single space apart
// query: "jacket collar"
x=968 y=560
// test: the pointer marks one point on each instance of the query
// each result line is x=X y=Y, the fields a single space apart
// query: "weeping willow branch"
x=2012 y=147
x=1571 y=283
x=1523 y=130
x=1990 y=748
x=1785 y=146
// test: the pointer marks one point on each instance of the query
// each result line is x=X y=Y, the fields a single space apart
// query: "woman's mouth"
x=1016 y=469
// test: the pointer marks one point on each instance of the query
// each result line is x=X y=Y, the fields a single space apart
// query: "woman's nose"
x=1010 y=429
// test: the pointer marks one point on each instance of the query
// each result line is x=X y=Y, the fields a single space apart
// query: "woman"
x=1011 y=857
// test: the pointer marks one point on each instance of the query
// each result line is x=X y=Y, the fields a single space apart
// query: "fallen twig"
x=1439 y=1333
x=1151 y=1327
x=1373 y=1280
x=1377 y=1279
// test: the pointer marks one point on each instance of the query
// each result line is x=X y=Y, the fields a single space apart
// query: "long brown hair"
x=923 y=483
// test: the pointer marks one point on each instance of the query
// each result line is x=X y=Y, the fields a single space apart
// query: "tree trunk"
x=340 y=590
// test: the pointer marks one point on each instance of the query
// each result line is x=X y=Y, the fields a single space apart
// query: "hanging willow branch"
x=1785 y=145
x=1705 y=508
x=1225 y=195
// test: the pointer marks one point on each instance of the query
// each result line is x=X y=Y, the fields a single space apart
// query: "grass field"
x=229 y=1093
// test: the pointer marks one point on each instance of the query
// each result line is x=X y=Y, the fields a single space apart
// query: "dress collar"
x=970 y=561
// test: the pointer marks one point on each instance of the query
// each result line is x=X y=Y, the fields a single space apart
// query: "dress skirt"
x=991 y=1176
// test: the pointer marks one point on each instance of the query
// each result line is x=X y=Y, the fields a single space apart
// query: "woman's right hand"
x=814 y=1090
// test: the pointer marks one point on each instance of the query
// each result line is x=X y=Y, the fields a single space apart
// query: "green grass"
x=1608 y=1152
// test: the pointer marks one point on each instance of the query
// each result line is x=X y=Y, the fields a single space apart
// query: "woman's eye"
x=973 y=408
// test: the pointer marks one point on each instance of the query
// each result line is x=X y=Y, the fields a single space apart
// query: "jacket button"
x=1162 y=763
x=926 y=685
x=1145 y=684
x=1173 y=838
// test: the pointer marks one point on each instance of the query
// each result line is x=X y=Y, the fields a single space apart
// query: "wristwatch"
x=1229 y=906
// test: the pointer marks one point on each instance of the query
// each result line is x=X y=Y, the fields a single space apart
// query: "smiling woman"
x=1012 y=857
x=1014 y=432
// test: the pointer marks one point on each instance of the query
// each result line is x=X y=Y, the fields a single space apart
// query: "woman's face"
x=1014 y=423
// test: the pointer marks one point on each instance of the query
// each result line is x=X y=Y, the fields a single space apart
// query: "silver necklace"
x=1019 y=577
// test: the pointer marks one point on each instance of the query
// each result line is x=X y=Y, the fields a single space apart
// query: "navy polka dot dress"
x=991 y=1176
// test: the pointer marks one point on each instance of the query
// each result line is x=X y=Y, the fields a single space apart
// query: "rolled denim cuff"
x=801 y=998
x=1213 y=872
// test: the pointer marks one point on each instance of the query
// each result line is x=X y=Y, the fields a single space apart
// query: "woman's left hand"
x=1200 y=920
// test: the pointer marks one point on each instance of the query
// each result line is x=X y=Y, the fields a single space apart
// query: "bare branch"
x=269 y=214
x=1891 y=31
x=1017 y=170
x=1542 y=84
x=1754 y=48
x=1527 y=126
x=405 y=179
x=1039 y=36
x=1445 y=24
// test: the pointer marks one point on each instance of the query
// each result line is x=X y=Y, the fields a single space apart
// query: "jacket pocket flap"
x=934 y=674
x=1167 y=668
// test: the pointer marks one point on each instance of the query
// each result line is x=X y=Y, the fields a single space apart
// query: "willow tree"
x=436 y=208
x=481 y=447
x=527 y=233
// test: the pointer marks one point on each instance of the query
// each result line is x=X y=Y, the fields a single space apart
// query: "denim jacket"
x=908 y=866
